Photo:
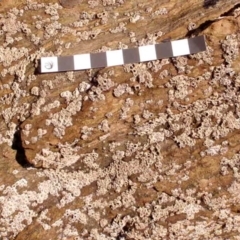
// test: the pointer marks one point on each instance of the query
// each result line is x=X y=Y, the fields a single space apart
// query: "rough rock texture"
x=70 y=3
x=141 y=151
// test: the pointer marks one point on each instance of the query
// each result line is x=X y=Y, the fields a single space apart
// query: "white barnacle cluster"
x=96 y=94
x=147 y=128
x=181 y=63
x=160 y=11
x=8 y=136
x=120 y=28
x=12 y=51
x=83 y=86
x=18 y=204
x=151 y=38
x=63 y=119
x=8 y=55
x=112 y=2
x=80 y=23
x=35 y=91
x=132 y=36
x=126 y=108
x=179 y=87
x=122 y=89
x=93 y=3
x=204 y=57
x=156 y=137
x=147 y=114
x=192 y=26
x=43 y=218
x=103 y=16
x=86 y=132
x=66 y=156
x=36 y=106
x=230 y=46
x=104 y=82
x=90 y=160
x=48 y=107
x=67 y=95
x=236 y=12
x=52 y=9
x=27 y=129
x=82 y=35
x=135 y=17
x=157 y=65
x=140 y=74
x=40 y=133
x=184 y=140
x=231 y=164
x=52 y=29
x=215 y=150
x=76 y=216
x=126 y=199
x=104 y=126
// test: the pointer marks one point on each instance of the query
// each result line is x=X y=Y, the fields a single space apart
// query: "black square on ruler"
x=164 y=50
x=65 y=63
x=98 y=60
x=131 y=55
x=197 y=44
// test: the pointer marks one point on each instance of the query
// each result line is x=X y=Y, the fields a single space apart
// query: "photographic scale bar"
x=123 y=56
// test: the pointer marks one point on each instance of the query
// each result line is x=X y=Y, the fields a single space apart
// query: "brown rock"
x=149 y=151
x=70 y=3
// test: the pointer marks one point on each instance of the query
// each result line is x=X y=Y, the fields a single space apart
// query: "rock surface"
x=142 y=151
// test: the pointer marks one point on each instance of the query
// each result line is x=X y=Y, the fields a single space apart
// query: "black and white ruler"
x=123 y=56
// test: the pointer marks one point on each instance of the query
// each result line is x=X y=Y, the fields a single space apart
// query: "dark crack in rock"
x=210 y=3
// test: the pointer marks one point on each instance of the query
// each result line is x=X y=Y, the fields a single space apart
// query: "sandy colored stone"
x=70 y=3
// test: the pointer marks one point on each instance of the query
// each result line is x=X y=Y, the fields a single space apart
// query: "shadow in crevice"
x=37 y=69
x=20 y=155
x=230 y=12
x=206 y=24
x=209 y=3
x=200 y=29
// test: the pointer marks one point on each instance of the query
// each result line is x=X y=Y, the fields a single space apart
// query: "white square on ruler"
x=82 y=61
x=147 y=53
x=180 y=47
x=114 y=58
x=49 y=64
